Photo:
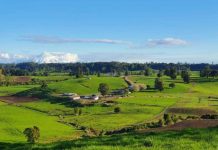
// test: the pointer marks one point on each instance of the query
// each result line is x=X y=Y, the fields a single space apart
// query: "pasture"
x=57 y=121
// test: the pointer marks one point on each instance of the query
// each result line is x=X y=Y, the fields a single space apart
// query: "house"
x=76 y=97
x=69 y=94
x=72 y=96
x=92 y=97
x=95 y=97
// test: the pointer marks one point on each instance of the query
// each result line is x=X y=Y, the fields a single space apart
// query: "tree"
x=186 y=77
x=214 y=73
x=103 y=89
x=160 y=74
x=172 y=85
x=87 y=71
x=173 y=73
x=80 y=111
x=46 y=73
x=44 y=85
x=160 y=123
x=76 y=111
x=79 y=73
x=98 y=74
x=32 y=134
x=159 y=84
x=148 y=71
x=126 y=73
x=205 y=72
x=117 y=109
x=167 y=119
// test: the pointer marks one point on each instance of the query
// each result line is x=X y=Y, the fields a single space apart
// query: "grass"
x=136 y=108
x=87 y=85
x=108 y=120
x=11 y=90
x=192 y=139
x=15 y=119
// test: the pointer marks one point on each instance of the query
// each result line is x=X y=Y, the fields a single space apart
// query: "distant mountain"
x=56 y=58
x=46 y=57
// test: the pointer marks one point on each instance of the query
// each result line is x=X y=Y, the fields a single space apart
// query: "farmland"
x=57 y=121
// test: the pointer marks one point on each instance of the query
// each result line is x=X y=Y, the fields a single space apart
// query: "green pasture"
x=191 y=139
x=14 y=119
x=87 y=85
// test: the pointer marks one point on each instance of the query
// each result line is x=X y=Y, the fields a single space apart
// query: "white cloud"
x=46 y=57
x=58 y=40
x=167 y=42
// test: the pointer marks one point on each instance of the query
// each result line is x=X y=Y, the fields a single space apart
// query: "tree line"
x=115 y=68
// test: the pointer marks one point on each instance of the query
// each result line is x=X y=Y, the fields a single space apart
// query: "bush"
x=174 y=118
x=159 y=84
x=207 y=116
x=167 y=119
x=117 y=109
x=192 y=117
x=172 y=85
x=148 y=143
x=160 y=123
x=148 y=87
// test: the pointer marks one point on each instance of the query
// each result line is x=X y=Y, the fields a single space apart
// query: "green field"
x=87 y=85
x=15 y=119
x=55 y=118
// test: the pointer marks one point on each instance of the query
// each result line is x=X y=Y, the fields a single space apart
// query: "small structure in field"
x=95 y=97
x=69 y=94
x=76 y=97
x=92 y=97
x=72 y=96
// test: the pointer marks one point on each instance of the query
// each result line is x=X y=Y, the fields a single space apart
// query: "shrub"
x=159 y=84
x=192 y=117
x=76 y=111
x=117 y=109
x=172 y=85
x=160 y=123
x=207 y=116
x=148 y=143
x=44 y=85
x=148 y=87
x=174 y=118
x=80 y=111
x=167 y=119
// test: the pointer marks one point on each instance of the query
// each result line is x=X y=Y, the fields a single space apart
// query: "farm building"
x=69 y=94
x=92 y=97
x=72 y=96
x=76 y=97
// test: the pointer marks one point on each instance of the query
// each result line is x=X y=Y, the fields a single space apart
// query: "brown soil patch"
x=22 y=79
x=14 y=99
x=191 y=111
x=185 y=125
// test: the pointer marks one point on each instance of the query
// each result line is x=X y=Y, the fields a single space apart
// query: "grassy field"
x=191 y=139
x=87 y=85
x=11 y=90
x=15 y=119
x=196 y=98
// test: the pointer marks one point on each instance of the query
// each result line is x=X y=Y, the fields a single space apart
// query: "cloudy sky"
x=47 y=31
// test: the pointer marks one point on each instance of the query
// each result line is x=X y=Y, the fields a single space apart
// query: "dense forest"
x=93 y=68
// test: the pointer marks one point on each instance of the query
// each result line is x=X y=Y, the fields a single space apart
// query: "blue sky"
x=115 y=30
